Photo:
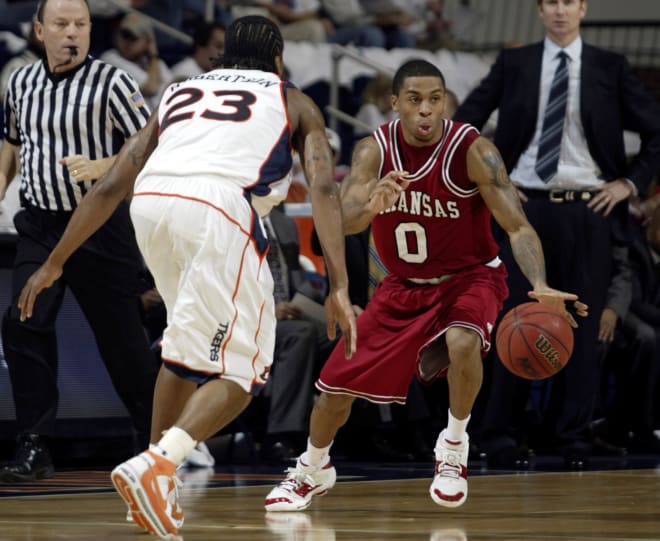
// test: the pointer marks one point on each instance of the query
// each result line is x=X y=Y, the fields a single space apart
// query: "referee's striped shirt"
x=89 y=110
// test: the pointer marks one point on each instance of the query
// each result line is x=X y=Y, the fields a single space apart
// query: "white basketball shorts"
x=197 y=241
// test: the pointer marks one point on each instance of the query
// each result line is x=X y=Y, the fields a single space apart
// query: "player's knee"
x=335 y=405
x=464 y=345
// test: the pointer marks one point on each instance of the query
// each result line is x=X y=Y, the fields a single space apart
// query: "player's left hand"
x=557 y=299
x=609 y=194
x=339 y=311
x=44 y=277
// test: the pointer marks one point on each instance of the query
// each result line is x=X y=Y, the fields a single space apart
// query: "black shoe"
x=603 y=447
x=32 y=461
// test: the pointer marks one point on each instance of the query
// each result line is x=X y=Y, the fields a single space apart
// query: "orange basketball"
x=534 y=341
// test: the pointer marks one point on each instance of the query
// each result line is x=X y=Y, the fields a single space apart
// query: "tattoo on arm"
x=316 y=157
x=498 y=174
x=360 y=153
x=528 y=254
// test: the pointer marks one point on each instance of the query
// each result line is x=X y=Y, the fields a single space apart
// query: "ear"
x=39 y=31
x=394 y=100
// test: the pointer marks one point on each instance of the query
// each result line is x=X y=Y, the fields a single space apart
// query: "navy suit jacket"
x=612 y=99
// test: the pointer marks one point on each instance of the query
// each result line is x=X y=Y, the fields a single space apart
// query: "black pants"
x=104 y=277
x=578 y=251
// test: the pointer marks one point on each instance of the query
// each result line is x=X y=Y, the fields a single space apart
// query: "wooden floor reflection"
x=594 y=505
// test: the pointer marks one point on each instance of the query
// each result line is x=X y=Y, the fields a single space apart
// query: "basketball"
x=534 y=341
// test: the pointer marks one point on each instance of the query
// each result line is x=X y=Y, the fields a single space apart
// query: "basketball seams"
x=556 y=340
x=540 y=360
x=538 y=366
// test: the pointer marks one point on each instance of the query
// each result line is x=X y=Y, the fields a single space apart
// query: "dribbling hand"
x=557 y=299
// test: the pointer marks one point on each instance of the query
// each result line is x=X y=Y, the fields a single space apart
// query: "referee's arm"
x=93 y=211
x=8 y=166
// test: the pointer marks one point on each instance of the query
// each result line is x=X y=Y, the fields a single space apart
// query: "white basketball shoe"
x=301 y=484
x=449 y=487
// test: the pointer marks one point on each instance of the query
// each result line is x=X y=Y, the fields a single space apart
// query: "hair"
x=415 y=68
x=203 y=32
x=251 y=42
x=39 y=14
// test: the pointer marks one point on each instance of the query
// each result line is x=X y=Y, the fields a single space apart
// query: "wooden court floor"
x=370 y=502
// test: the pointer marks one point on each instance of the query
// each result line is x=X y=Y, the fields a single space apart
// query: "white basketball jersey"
x=226 y=124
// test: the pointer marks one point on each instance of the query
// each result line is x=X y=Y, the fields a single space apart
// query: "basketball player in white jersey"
x=212 y=161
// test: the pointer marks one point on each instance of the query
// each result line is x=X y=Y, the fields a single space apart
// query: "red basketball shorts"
x=401 y=320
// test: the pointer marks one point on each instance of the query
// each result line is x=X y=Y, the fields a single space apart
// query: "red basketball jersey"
x=440 y=224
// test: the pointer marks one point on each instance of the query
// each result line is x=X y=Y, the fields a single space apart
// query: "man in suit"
x=635 y=354
x=563 y=106
x=301 y=345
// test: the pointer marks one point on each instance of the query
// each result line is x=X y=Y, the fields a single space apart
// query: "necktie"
x=553 y=122
x=377 y=270
x=280 y=290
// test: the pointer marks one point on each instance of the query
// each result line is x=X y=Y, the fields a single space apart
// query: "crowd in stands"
x=626 y=415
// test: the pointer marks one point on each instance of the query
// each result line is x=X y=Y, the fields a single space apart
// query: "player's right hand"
x=386 y=191
x=339 y=311
x=44 y=277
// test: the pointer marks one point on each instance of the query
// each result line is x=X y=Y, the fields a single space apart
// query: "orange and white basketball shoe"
x=449 y=487
x=149 y=486
x=301 y=484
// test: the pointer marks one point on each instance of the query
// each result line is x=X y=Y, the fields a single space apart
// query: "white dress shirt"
x=577 y=170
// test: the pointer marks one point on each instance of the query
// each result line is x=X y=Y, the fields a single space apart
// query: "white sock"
x=455 y=428
x=315 y=456
x=175 y=445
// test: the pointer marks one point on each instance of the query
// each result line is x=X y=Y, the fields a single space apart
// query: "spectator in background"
x=635 y=351
x=193 y=10
x=430 y=26
x=169 y=12
x=137 y=55
x=573 y=181
x=8 y=158
x=373 y=27
x=375 y=105
x=33 y=51
x=208 y=43
x=299 y=20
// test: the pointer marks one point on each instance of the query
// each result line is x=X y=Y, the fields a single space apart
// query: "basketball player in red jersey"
x=429 y=187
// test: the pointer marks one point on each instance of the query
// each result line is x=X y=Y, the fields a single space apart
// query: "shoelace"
x=295 y=479
x=449 y=464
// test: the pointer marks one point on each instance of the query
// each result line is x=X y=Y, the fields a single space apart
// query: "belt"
x=560 y=196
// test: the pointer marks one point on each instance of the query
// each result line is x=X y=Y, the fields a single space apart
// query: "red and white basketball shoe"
x=449 y=487
x=301 y=484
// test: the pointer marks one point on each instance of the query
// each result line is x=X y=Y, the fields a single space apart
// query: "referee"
x=68 y=115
